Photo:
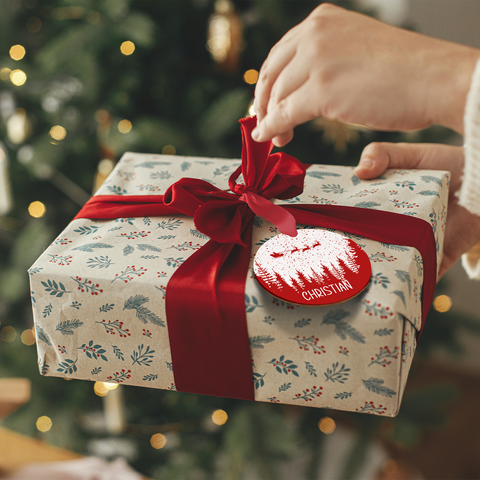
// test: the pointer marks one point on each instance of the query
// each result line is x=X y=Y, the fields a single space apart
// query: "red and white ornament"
x=317 y=267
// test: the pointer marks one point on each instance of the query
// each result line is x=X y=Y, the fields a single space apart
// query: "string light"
x=158 y=441
x=327 y=425
x=250 y=76
x=124 y=126
x=127 y=48
x=28 y=337
x=8 y=334
x=34 y=24
x=18 y=77
x=44 y=423
x=57 y=132
x=169 y=150
x=5 y=73
x=37 y=209
x=17 y=52
x=219 y=417
x=442 y=303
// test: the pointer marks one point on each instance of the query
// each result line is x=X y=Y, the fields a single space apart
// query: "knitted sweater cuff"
x=469 y=196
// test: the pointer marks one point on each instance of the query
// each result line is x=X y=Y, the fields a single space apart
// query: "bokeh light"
x=18 y=77
x=442 y=303
x=219 y=417
x=127 y=48
x=250 y=76
x=33 y=25
x=100 y=389
x=28 y=337
x=57 y=132
x=158 y=441
x=327 y=425
x=37 y=209
x=5 y=73
x=169 y=150
x=124 y=126
x=17 y=52
x=8 y=334
x=44 y=423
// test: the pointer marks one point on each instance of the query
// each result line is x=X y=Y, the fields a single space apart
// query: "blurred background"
x=83 y=81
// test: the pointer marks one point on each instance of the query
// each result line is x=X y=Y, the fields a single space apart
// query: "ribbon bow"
x=205 y=304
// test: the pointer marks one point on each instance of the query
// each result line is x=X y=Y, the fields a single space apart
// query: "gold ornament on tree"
x=225 y=37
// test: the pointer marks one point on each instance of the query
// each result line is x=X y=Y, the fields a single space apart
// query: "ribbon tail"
x=281 y=218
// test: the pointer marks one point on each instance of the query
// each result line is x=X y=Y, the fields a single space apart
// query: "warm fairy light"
x=18 y=77
x=100 y=389
x=57 y=132
x=28 y=337
x=44 y=424
x=34 y=24
x=158 y=441
x=327 y=425
x=8 y=334
x=5 y=73
x=127 y=48
x=219 y=417
x=17 y=52
x=124 y=126
x=251 y=111
x=442 y=303
x=250 y=76
x=37 y=209
x=110 y=386
x=105 y=166
x=169 y=150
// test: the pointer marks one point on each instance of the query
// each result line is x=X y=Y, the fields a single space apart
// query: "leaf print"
x=406 y=184
x=76 y=305
x=251 y=305
x=115 y=327
x=341 y=375
x=258 y=380
x=41 y=335
x=185 y=166
x=429 y=193
x=322 y=175
x=129 y=273
x=55 y=289
x=398 y=248
x=47 y=310
x=309 y=394
x=166 y=237
x=304 y=322
x=68 y=327
x=151 y=248
x=376 y=385
x=87 y=230
x=431 y=179
x=118 y=353
x=150 y=164
x=68 y=366
x=258 y=222
x=260 y=340
x=169 y=366
x=93 y=352
x=116 y=190
x=355 y=180
x=87 y=286
x=174 y=262
x=89 y=247
x=404 y=276
x=224 y=169
x=343 y=395
x=106 y=308
x=147 y=221
x=284 y=387
x=141 y=312
x=142 y=357
x=196 y=233
x=377 y=309
x=120 y=377
x=44 y=369
x=383 y=356
x=150 y=377
x=309 y=343
x=382 y=332
x=331 y=188
x=310 y=369
x=100 y=262
x=35 y=270
x=165 y=175
x=367 y=205
x=401 y=295
x=369 y=407
x=170 y=224
x=284 y=366
x=96 y=371
x=380 y=279
x=342 y=328
x=150 y=257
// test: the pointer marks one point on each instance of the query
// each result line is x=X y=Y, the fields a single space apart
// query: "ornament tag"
x=317 y=267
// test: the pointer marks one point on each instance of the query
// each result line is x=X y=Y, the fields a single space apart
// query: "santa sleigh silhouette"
x=296 y=249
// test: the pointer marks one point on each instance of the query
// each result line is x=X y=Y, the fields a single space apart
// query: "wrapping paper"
x=98 y=292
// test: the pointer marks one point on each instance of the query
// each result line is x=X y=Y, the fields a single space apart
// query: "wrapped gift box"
x=99 y=292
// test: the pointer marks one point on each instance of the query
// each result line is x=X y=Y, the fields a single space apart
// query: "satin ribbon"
x=205 y=303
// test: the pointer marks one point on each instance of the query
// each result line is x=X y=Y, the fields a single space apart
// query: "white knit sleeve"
x=469 y=195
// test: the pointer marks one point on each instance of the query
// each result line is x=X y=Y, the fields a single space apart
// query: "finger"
x=377 y=157
x=283 y=139
x=279 y=56
x=291 y=111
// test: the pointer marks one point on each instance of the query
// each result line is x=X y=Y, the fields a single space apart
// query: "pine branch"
x=375 y=385
x=259 y=341
x=41 y=335
x=67 y=327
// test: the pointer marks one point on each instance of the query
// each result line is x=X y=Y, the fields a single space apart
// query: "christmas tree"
x=81 y=82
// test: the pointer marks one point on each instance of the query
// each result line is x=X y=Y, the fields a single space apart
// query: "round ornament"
x=317 y=267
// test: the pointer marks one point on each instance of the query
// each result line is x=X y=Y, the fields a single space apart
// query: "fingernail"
x=366 y=162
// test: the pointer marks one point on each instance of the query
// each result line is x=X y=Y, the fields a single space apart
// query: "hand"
x=463 y=228
x=349 y=67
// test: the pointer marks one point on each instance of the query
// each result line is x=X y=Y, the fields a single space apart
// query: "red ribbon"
x=205 y=303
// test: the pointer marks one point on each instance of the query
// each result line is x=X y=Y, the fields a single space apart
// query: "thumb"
x=377 y=157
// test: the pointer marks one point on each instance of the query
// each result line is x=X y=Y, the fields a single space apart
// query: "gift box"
x=102 y=312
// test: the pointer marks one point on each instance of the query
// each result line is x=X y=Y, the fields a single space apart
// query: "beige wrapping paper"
x=99 y=291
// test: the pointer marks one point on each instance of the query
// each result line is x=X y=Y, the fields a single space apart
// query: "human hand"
x=346 y=66
x=463 y=228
